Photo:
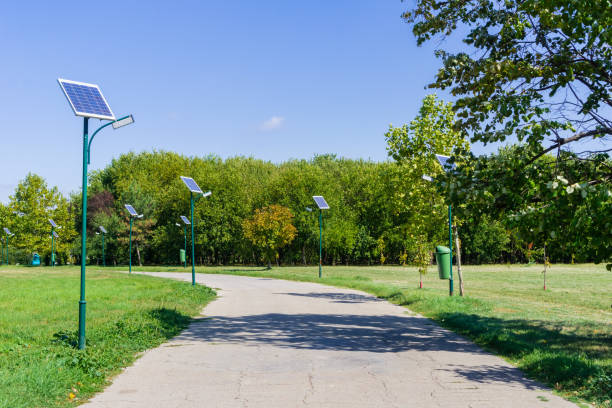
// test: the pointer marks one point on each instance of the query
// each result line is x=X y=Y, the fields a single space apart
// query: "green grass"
x=561 y=336
x=39 y=363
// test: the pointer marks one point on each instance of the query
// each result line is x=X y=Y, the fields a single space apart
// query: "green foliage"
x=421 y=209
x=485 y=241
x=38 y=203
x=270 y=229
x=538 y=71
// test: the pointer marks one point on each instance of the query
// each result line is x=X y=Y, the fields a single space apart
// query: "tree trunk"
x=304 y=254
x=459 y=273
x=138 y=254
x=420 y=280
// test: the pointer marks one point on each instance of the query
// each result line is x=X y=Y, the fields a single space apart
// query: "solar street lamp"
x=86 y=100
x=53 y=236
x=133 y=214
x=443 y=160
x=186 y=222
x=8 y=234
x=193 y=189
x=103 y=231
x=322 y=204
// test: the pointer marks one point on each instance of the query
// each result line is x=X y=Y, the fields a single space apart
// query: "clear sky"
x=272 y=79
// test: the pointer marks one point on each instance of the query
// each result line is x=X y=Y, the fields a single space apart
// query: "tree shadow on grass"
x=550 y=352
x=171 y=321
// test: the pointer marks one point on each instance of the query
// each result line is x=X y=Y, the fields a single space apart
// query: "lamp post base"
x=82 y=307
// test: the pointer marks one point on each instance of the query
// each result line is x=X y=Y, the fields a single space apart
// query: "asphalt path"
x=274 y=343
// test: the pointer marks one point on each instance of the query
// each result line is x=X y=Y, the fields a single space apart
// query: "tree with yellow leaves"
x=270 y=228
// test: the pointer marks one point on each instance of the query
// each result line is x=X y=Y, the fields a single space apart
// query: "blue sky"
x=272 y=79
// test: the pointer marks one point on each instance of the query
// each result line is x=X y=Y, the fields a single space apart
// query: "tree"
x=420 y=206
x=38 y=203
x=270 y=229
x=537 y=70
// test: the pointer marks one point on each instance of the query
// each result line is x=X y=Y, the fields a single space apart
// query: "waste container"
x=444 y=262
x=183 y=260
x=35 y=260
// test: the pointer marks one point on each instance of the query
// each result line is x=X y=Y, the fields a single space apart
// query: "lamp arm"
x=96 y=132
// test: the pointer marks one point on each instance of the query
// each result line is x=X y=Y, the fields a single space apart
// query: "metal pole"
x=320 y=239
x=103 y=255
x=450 y=245
x=7 y=237
x=131 y=218
x=192 y=245
x=185 y=262
x=82 y=303
x=52 y=248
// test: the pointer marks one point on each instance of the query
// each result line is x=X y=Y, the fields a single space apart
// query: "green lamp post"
x=443 y=160
x=86 y=100
x=103 y=231
x=186 y=222
x=133 y=214
x=53 y=236
x=322 y=204
x=194 y=189
x=8 y=234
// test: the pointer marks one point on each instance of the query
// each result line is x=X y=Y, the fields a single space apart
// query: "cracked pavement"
x=273 y=343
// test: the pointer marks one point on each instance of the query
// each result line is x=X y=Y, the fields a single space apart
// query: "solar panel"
x=131 y=210
x=321 y=203
x=103 y=229
x=86 y=99
x=53 y=224
x=6 y=230
x=191 y=185
x=185 y=220
x=55 y=234
x=443 y=160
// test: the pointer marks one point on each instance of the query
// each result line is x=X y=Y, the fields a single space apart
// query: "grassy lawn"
x=561 y=336
x=39 y=364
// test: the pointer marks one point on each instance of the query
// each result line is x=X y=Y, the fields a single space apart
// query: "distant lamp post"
x=8 y=234
x=53 y=236
x=186 y=222
x=103 y=231
x=443 y=160
x=133 y=214
x=193 y=189
x=86 y=100
x=322 y=204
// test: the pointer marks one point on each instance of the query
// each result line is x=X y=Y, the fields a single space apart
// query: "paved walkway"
x=272 y=343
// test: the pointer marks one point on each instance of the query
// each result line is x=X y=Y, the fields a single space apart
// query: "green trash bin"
x=443 y=261
x=183 y=260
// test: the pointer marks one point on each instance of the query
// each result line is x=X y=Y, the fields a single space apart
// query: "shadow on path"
x=337 y=297
x=378 y=334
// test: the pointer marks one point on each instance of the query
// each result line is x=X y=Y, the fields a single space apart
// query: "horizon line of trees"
x=380 y=212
